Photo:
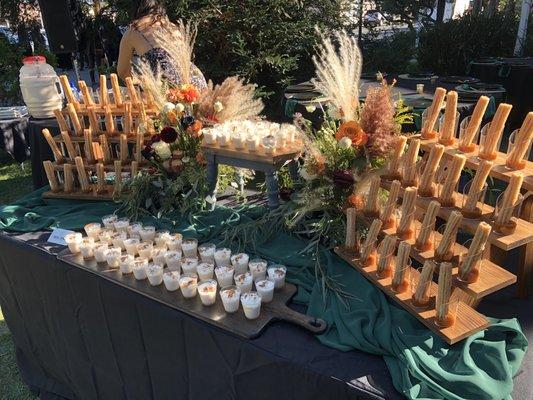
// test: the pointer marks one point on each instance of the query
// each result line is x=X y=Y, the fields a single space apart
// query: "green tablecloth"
x=422 y=366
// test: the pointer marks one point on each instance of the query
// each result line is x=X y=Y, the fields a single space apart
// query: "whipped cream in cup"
x=189 y=248
x=126 y=264
x=139 y=268
x=171 y=279
x=240 y=262
x=205 y=271
x=251 y=304
x=112 y=257
x=105 y=236
x=207 y=252
x=99 y=252
x=173 y=259
x=73 y=241
x=147 y=233
x=133 y=229
x=117 y=239
x=145 y=250
x=208 y=292
x=87 y=247
x=222 y=257
x=109 y=221
x=266 y=289
x=258 y=268
x=188 y=265
x=188 y=285
x=244 y=282
x=159 y=256
x=131 y=245
x=93 y=230
x=174 y=243
x=162 y=238
x=230 y=296
x=154 y=273
x=224 y=275
x=277 y=273
x=122 y=224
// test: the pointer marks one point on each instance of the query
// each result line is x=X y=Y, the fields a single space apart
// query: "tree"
x=407 y=11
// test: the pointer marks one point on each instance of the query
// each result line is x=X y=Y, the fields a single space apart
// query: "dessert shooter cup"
x=99 y=252
x=93 y=230
x=126 y=263
x=477 y=261
x=171 y=279
x=230 y=296
x=174 y=243
x=109 y=221
x=240 y=262
x=122 y=224
x=244 y=282
x=207 y=252
x=112 y=257
x=403 y=286
x=159 y=256
x=147 y=233
x=462 y=131
x=265 y=288
x=425 y=301
x=205 y=271
x=173 y=259
x=154 y=273
x=224 y=275
x=513 y=212
x=189 y=248
x=388 y=260
x=479 y=198
x=145 y=250
x=131 y=245
x=519 y=164
x=276 y=273
x=105 y=236
x=449 y=318
x=251 y=304
x=87 y=248
x=222 y=257
x=139 y=268
x=258 y=268
x=188 y=285
x=189 y=265
x=208 y=292
x=117 y=239
x=162 y=238
x=439 y=257
x=73 y=241
x=133 y=230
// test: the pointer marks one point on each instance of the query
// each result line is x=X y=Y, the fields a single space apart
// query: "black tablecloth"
x=14 y=138
x=78 y=336
x=40 y=151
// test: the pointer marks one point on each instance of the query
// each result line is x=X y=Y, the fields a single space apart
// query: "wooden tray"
x=79 y=195
x=279 y=157
x=215 y=315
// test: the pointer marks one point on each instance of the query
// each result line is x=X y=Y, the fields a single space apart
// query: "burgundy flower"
x=168 y=134
x=155 y=138
x=343 y=178
x=147 y=152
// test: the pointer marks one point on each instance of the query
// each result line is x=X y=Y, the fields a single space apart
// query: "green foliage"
x=447 y=48
x=389 y=54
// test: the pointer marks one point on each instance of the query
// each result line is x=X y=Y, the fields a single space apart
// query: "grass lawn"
x=15 y=181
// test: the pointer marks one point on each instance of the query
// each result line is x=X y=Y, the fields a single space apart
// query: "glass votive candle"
x=265 y=288
x=154 y=273
x=87 y=247
x=122 y=224
x=207 y=252
x=251 y=304
x=224 y=275
x=126 y=264
x=145 y=250
x=117 y=239
x=174 y=242
x=73 y=241
x=109 y=221
x=147 y=233
x=158 y=255
x=240 y=263
x=222 y=257
x=173 y=259
x=131 y=245
x=188 y=285
x=244 y=282
x=189 y=248
x=205 y=271
x=162 y=238
x=99 y=252
x=133 y=229
x=208 y=292
x=93 y=230
x=171 y=279
x=258 y=269
x=277 y=273
x=112 y=257
x=188 y=265
x=139 y=268
x=230 y=296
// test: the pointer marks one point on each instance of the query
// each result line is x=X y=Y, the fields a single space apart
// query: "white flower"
x=211 y=199
x=168 y=107
x=234 y=185
x=162 y=150
x=345 y=143
x=218 y=106
x=180 y=108
x=310 y=108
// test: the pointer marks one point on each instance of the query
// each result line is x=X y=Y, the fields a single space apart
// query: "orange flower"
x=355 y=201
x=171 y=115
x=174 y=95
x=354 y=132
x=195 y=128
x=189 y=93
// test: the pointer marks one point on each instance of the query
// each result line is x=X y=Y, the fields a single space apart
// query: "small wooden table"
x=256 y=160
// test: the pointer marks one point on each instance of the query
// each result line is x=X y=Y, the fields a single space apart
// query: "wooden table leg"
x=525 y=266
x=271 y=178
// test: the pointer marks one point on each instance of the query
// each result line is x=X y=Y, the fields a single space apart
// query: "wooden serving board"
x=468 y=321
x=215 y=315
x=277 y=158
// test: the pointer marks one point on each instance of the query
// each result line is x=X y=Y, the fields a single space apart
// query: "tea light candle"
x=159 y=256
x=208 y=292
x=206 y=271
x=222 y=257
x=189 y=248
x=162 y=238
x=224 y=275
x=207 y=252
x=87 y=247
x=244 y=282
x=131 y=245
x=230 y=296
x=122 y=224
x=173 y=259
x=99 y=252
x=126 y=264
x=189 y=265
x=109 y=221
x=174 y=243
x=139 y=268
x=188 y=285
x=112 y=257
x=240 y=263
x=251 y=304
x=93 y=229
x=258 y=269
x=73 y=241
x=145 y=250
x=154 y=273
x=466 y=145
x=277 y=273
x=147 y=233
x=171 y=279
